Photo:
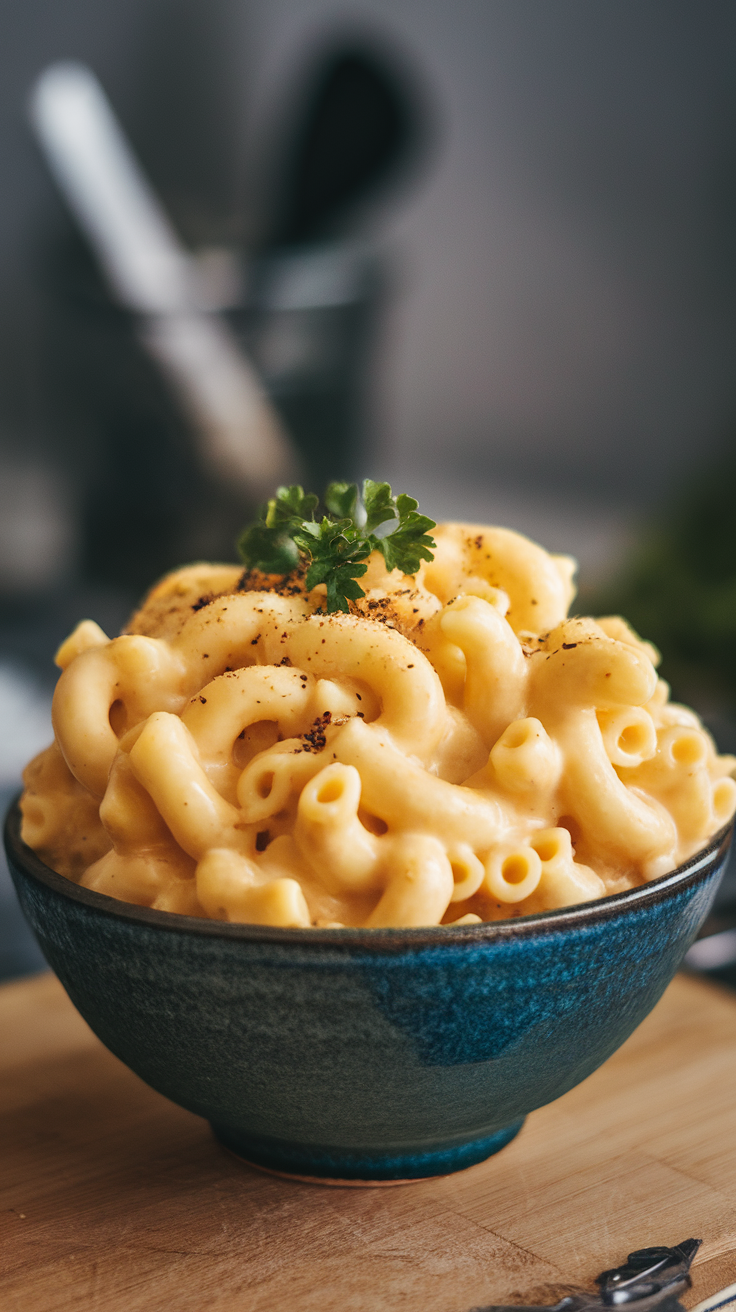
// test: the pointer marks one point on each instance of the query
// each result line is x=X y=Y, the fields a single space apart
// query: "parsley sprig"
x=337 y=544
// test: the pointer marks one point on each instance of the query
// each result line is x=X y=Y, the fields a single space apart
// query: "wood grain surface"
x=113 y=1198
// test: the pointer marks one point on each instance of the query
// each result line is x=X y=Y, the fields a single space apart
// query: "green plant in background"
x=680 y=591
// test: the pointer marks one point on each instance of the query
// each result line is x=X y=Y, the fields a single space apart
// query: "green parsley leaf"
x=336 y=561
x=268 y=550
x=290 y=505
x=269 y=544
x=336 y=547
x=343 y=500
x=379 y=503
x=409 y=544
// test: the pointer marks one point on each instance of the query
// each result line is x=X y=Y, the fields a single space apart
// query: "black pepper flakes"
x=314 y=739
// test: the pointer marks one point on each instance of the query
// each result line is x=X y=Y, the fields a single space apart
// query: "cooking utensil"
x=358 y=130
x=151 y=274
x=649 y=1278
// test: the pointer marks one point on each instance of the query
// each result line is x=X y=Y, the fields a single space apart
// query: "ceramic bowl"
x=365 y=1055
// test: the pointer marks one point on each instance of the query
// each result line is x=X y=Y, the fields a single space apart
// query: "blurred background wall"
x=565 y=323
x=558 y=345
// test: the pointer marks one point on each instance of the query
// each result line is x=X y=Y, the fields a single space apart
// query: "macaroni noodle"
x=453 y=750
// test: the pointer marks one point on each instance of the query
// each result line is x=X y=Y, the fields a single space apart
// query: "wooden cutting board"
x=112 y=1198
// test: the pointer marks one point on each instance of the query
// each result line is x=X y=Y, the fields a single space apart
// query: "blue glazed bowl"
x=365 y=1055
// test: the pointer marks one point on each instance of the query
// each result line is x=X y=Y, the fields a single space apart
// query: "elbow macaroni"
x=454 y=750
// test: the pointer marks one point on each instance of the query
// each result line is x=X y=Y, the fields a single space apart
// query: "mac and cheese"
x=455 y=749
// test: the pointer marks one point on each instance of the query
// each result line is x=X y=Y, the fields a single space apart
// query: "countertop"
x=113 y=1198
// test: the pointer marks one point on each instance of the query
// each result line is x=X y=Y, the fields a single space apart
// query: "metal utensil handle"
x=152 y=274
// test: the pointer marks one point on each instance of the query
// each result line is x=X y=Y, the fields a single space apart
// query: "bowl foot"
x=335 y=1166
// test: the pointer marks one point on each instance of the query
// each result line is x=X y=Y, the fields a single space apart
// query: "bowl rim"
x=696 y=868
